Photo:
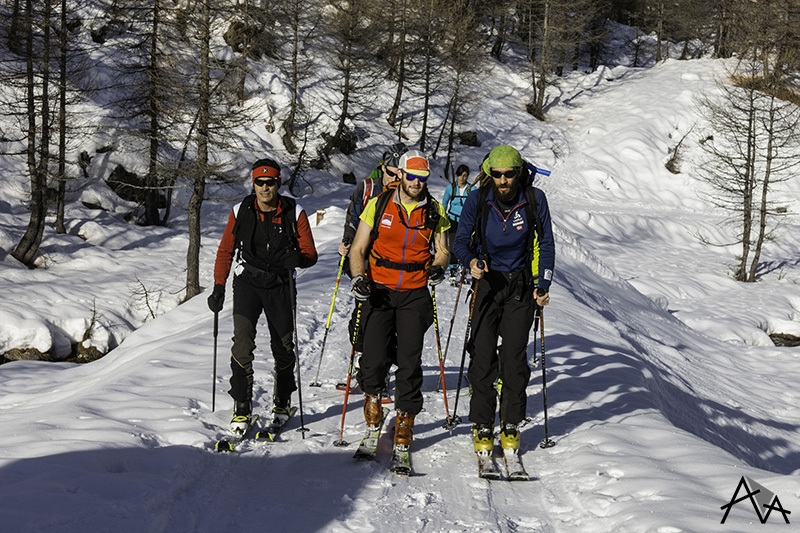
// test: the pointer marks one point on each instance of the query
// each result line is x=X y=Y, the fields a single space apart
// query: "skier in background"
x=453 y=200
x=386 y=176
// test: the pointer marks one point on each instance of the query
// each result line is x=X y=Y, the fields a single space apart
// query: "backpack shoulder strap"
x=289 y=219
x=479 y=234
x=432 y=214
x=380 y=207
x=246 y=204
x=369 y=186
x=533 y=209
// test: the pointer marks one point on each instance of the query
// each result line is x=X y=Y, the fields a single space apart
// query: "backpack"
x=288 y=222
x=369 y=185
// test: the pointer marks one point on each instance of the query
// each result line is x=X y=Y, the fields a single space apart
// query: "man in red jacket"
x=268 y=235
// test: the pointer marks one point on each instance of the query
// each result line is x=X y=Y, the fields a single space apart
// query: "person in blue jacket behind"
x=453 y=201
x=517 y=257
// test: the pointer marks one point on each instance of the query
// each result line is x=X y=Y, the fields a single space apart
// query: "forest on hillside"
x=179 y=82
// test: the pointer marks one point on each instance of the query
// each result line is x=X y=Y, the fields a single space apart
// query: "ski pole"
x=316 y=382
x=547 y=442
x=453 y=317
x=341 y=441
x=441 y=359
x=292 y=295
x=214 y=377
x=455 y=420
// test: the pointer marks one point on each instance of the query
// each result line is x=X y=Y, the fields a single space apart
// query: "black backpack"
x=288 y=217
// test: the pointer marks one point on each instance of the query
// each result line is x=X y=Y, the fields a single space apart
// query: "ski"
x=354 y=389
x=271 y=432
x=368 y=447
x=401 y=461
x=229 y=444
x=514 y=468
x=487 y=469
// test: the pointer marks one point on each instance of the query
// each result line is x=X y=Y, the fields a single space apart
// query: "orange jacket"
x=402 y=251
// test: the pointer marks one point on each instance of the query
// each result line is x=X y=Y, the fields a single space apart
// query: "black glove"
x=435 y=275
x=292 y=259
x=216 y=298
x=360 y=288
x=288 y=258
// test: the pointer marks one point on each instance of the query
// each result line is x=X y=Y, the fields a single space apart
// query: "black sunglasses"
x=265 y=183
x=510 y=174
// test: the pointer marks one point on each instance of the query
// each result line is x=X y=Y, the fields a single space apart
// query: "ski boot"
x=403 y=430
x=498 y=385
x=281 y=411
x=373 y=412
x=483 y=438
x=241 y=417
x=509 y=437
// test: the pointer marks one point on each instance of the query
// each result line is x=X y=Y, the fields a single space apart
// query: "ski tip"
x=223 y=446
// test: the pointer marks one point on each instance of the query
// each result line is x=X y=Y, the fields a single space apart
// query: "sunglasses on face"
x=412 y=177
x=265 y=183
x=509 y=174
x=389 y=173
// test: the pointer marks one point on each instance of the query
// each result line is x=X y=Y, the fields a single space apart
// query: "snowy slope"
x=663 y=388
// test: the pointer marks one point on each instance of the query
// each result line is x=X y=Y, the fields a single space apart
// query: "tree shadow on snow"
x=178 y=489
x=595 y=383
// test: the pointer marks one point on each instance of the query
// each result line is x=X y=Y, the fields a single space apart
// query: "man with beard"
x=391 y=263
x=509 y=249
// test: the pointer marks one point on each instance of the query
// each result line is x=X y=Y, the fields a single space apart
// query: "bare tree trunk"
x=765 y=185
x=28 y=247
x=201 y=169
x=294 y=86
x=426 y=102
x=500 y=39
x=398 y=96
x=544 y=64
x=747 y=197
x=401 y=67
x=62 y=121
x=151 y=181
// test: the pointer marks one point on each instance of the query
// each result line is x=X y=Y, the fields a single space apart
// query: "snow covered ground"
x=663 y=388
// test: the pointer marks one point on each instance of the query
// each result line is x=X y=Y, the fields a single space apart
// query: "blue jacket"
x=507 y=237
x=453 y=201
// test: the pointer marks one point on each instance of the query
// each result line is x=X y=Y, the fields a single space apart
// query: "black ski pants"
x=504 y=308
x=253 y=295
x=404 y=317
